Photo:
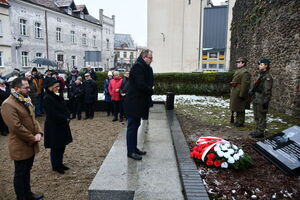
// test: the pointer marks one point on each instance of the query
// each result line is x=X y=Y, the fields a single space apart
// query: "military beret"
x=264 y=60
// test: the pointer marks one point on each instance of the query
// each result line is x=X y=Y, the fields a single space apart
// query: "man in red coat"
x=114 y=91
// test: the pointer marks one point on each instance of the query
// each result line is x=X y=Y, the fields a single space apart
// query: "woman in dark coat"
x=4 y=94
x=57 y=130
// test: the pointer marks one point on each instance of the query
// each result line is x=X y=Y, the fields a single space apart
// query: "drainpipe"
x=46 y=29
x=200 y=41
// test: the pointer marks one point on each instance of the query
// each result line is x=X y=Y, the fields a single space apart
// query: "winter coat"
x=264 y=91
x=76 y=92
x=89 y=91
x=240 y=85
x=107 y=97
x=138 y=99
x=124 y=85
x=22 y=129
x=70 y=81
x=33 y=92
x=4 y=95
x=38 y=81
x=115 y=84
x=57 y=130
x=62 y=85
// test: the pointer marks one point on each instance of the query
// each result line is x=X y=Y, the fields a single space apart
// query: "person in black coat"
x=90 y=96
x=76 y=96
x=123 y=92
x=138 y=100
x=91 y=71
x=57 y=131
x=4 y=94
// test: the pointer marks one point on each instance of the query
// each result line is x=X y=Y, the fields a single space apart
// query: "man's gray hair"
x=116 y=72
x=145 y=52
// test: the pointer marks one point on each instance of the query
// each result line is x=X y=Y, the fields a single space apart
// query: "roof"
x=124 y=41
x=60 y=5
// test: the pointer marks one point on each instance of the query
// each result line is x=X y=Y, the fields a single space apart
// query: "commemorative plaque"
x=283 y=150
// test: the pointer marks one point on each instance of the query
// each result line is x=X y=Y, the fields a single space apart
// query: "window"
x=1 y=59
x=38 y=30
x=81 y=15
x=204 y=66
x=25 y=59
x=213 y=55
x=94 y=40
x=124 y=54
x=1 y=32
x=58 y=34
x=221 y=66
x=39 y=55
x=221 y=55
x=73 y=61
x=84 y=39
x=131 y=55
x=23 y=28
x=73 y=37
x=212 y=66
x=118 y=54
x=107 y=44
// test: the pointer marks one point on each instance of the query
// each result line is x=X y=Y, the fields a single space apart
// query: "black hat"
x=52 y=73
x=51 y=81
x=34 y=69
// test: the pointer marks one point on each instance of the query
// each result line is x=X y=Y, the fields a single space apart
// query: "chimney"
x=114 y=19
x=101 y=16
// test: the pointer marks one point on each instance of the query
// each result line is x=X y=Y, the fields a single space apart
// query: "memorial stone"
x=283 y=150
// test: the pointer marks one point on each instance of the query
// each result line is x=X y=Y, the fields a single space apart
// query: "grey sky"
x=131 y=15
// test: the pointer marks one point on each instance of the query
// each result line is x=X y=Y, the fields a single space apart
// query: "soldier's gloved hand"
x=242 y=98
x=265 y=106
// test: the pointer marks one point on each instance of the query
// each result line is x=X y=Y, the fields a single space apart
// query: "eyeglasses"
x=57 y=86
x=149 y=57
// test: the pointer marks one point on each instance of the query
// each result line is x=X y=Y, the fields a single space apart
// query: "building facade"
x=125 y=51
x=58 y=30
x=5 y=37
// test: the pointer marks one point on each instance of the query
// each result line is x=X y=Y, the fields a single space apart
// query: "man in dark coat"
x=90 y=96
x=76 y=96
x=69 y=83
x=123 y=92
x=57 y=130
x=138 y=100
x=91 y=71
x=240 y=86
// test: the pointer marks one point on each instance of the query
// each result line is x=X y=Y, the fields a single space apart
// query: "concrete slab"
x=155 y=177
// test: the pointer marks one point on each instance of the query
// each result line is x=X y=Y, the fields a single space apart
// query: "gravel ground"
x=263 y=181
x=92 y=140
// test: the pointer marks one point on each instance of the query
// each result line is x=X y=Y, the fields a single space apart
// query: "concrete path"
x=156 y=177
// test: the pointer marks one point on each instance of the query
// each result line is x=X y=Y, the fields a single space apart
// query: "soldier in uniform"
x=261 y=92
x=240 y=85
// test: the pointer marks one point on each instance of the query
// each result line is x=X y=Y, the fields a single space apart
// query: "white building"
x=5 y=37
x=58 y=30
x=125 y=51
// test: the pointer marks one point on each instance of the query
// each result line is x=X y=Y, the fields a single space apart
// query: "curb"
x=193 y=187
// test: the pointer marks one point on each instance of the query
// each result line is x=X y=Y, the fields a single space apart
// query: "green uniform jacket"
x=240 y=85
x=264 y=91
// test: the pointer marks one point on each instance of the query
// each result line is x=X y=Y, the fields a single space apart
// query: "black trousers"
x=57 y=156
x=76 y=107
x=22 y=178
x=116 y=105
x=89 y=110
x=109 y=107
x=131 y=136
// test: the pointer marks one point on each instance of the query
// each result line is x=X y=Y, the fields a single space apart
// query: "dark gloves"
x=242 y=98
x=265 y=106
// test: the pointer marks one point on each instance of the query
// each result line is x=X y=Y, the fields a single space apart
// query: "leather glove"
x=265 y=106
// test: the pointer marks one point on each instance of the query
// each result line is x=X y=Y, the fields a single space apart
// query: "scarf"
x=26 y=101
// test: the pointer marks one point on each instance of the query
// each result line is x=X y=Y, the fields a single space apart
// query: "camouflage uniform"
x=261 y=101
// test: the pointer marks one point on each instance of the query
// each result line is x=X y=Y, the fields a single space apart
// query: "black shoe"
x=59 y=170
x=108 y=114
x=33 y=196
x=257 y=135
x=64 y=167
x=236 y=124
x=91 y=117
x=79 y=117
x=86 y=118
x=121 y=120
x=252 y=133
x=115 y=119
x=134 y=156
x=139 y=152
x=4 y=133
x=73 y=117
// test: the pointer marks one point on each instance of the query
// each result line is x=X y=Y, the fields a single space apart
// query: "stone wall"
x=270 y=29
